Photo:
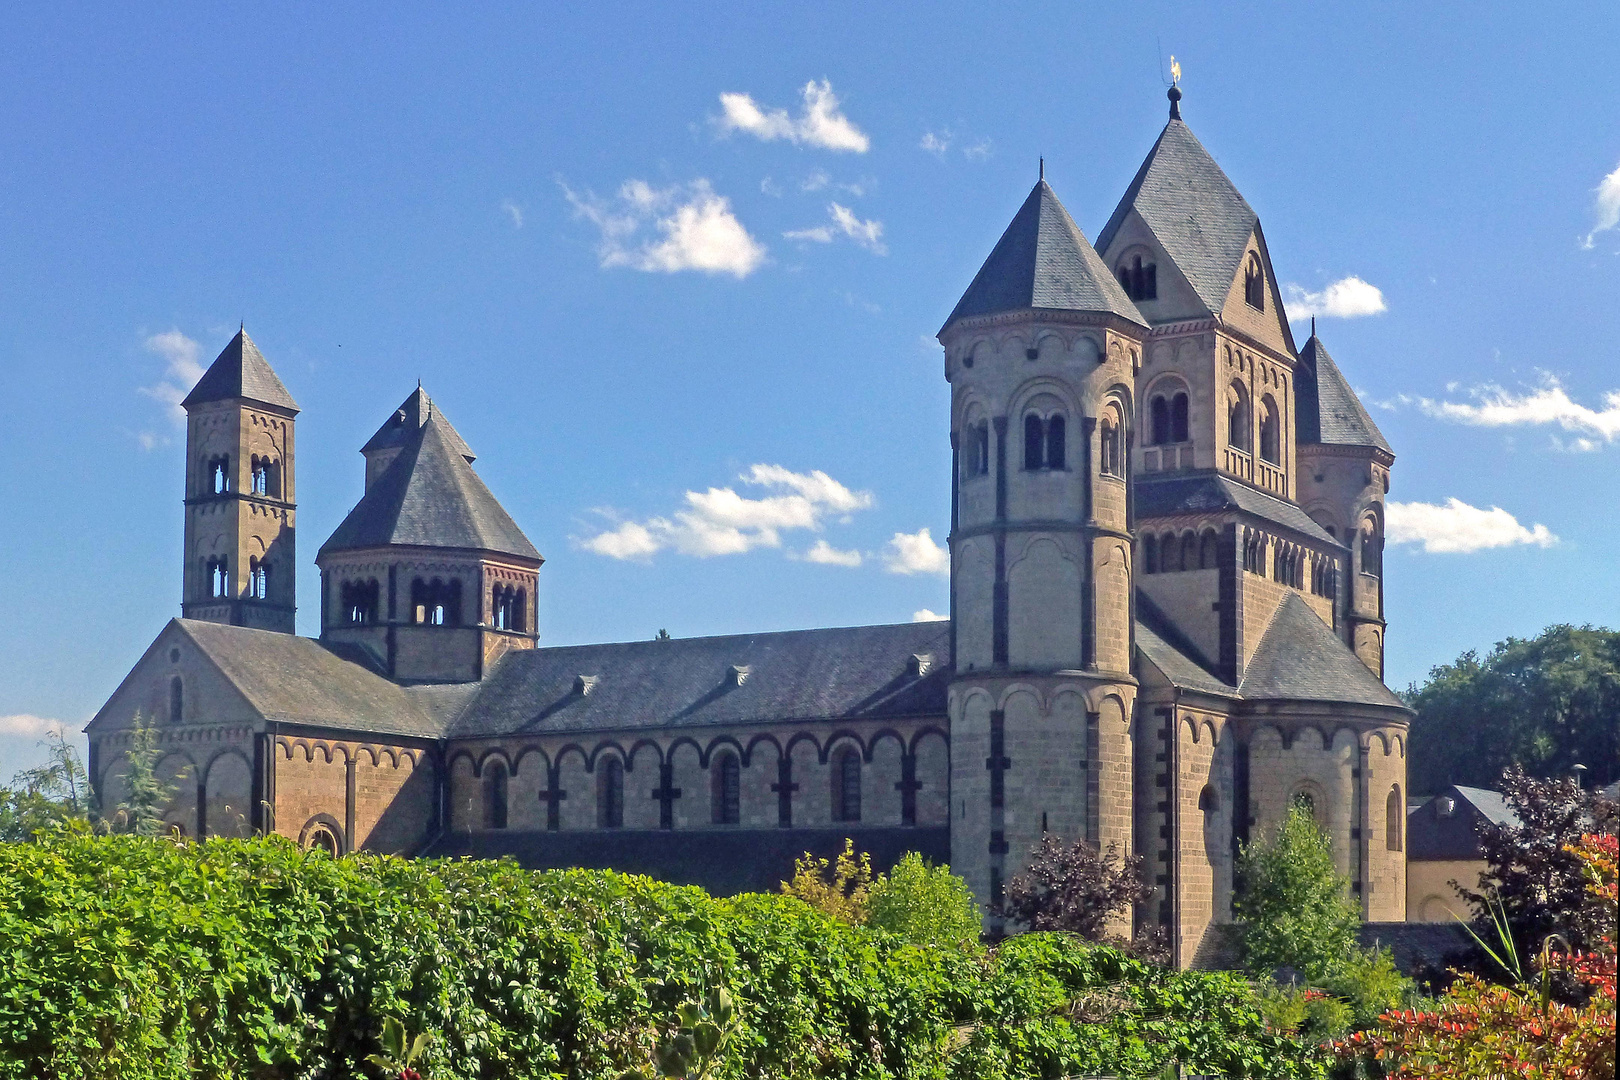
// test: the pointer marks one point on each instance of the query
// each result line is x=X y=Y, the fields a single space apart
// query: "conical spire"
x=1044 y=261
x=1327 y=409
x=406 y=423
x=240 y=371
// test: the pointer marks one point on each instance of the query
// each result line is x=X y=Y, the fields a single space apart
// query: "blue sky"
x=674 y=276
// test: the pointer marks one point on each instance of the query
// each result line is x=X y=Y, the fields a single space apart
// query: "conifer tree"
x=142 y=812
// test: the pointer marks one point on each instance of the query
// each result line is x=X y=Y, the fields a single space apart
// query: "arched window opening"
x=981 y=439
x=1139 y=280
x=1394 y=818
x=1169 y=554
x=1305 y=799
x=846 y=778
x=1150 y=555
x=1254 y=284
x=436 y=602
x=1239 y=422
x=1034 y=442
x=1208 y=550
x=610 y=794
x=1189 y=551
x=1055 y=438
x=1179 y=431
x=1208 y=801
x=263 y=478
x=1372 y=548
x=359 y=600
x=323 y=839
x=258 y=580
x=1159 y=420
x=1270 y=443
x=219 y=470
x=1108 y=457
x=177 y=700
x=495 y=783
x=218 y=572
x=726 y=780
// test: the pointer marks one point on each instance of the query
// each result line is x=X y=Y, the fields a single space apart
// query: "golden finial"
x=1175 y=72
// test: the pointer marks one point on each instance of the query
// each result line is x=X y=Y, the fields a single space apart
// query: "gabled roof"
x=1205 y=492
x=858 y=672
x=1300 y=659
x=1328 y=411
x=240 y=371
x=430 y=497
x=1043 y=261
x=1436 y=830
x=296 y=680
x=1194 y=210
x=405 y=424
x=1167 y=649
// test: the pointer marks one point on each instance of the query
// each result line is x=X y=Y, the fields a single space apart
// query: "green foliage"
x=1307 y=1013
x=142 y=812
x=1295 y=907
x=836 y=888
x=694 y=1043
x=400 y=1051
x=1546 y=703
x=925 y=905
x=47 y=796
x=145 y=958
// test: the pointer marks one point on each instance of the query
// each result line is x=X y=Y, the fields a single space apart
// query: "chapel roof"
x=240 y=371
x=430 y=497
x=1043 y=261
x=1328 y=411
x=1300 y=659
x=1194 y=211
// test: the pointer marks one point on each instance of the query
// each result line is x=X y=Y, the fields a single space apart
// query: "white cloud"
x=815 y=181
x=1347 y=298
x=1607 y=206
x=868 y=234
x=1456 y=527
x=183 y=367
x=824 y=553
x=979 y=150
x=820 y=124
x=28 y=726
x=719 y=521
x=915 y=553
x=770 y=187
x=514 y=211
x=928 y=616
x=935 y=144
x=695 y=229
x=1549 y=403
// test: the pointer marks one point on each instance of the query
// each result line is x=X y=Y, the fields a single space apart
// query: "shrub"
x=1080 y=889
x=925 y=905
x=1295 y=907
x=836 y=889
x=144 y=958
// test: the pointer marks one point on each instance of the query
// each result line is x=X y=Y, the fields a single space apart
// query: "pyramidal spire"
x=240 y=372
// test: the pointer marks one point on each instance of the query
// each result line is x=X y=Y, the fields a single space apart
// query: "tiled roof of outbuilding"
x=1044 y=261
x=1194 y=210
x=1328 y=410
x=430 y=497
x=851 y=672
x=240 y=371
x=1300 y=659
x=1206 y=492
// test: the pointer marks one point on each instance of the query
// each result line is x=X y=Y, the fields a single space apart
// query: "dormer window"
x=1139 y=280
x=1254 y=283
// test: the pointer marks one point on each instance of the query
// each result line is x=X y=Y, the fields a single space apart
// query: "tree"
x=1546 y=703
x=46 y=796
x=837 y=889
x=1077 y=888
x=926 y=905
x=1532 y=872
x=1295 y=907
x=142 y=812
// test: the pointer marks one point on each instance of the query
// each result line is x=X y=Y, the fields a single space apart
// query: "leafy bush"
x=838 y=889
x=1294 y=905
x=143 y=958
x=925 y=905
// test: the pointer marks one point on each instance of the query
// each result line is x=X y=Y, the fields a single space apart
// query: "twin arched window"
x=846 y=785
x=1139 y=280
x=258 y=581
x=217 y=577
x=1044 y=442
x=725 y=778
x=610 y=794
x=265 y=480
x=436 y=602
x=1168 y=418
x=511 y=604
x=1254 y=283
x=219 y=474
x=360 y=601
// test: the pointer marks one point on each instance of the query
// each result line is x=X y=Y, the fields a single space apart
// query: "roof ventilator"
x=584 y=684
x=920 y=664
x=737 y=674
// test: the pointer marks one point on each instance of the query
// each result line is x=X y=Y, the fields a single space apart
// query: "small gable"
x=175 y=683
x=1254 y=301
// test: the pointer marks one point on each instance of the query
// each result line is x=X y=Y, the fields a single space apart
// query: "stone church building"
x=1166 y=616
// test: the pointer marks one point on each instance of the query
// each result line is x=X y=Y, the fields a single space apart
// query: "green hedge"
x=135 y=958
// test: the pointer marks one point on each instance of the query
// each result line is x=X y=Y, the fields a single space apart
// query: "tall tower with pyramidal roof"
x=240 y=557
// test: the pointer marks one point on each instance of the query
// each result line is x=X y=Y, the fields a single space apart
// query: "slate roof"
x=1431 y=834
x=240 y=371
x=296 y=680
x=1043 y=261
x=1194 y=211
x=1206 y=492
x=405 y=424
x=1329 y=412
x=1176 y=658
x=430 y=497
x=1300 y=659
x=859 y=671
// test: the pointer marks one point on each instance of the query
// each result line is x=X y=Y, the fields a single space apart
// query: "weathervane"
x=1175 y=72
x=1175 y=89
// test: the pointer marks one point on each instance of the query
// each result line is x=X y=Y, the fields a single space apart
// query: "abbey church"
x=1166 y=619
